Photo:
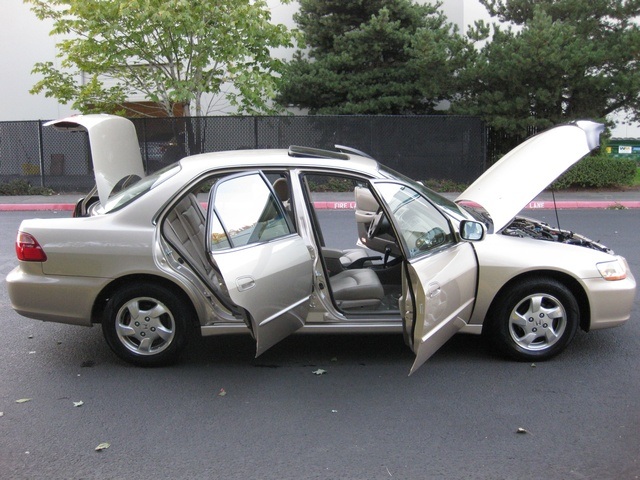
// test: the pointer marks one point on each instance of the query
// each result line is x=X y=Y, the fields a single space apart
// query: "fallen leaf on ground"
x=102 y=446
x=222 y=392
x=319 y=372
x=23 y=400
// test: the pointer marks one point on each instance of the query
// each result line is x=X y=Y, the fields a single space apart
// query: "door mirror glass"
x=472 y=231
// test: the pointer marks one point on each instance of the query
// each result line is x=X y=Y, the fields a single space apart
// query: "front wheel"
x=146 y=325
x=535 y=320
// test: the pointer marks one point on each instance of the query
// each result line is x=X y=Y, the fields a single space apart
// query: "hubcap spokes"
x=537 y=322
x=145 y=326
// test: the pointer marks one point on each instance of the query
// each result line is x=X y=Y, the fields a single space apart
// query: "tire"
x=534 y=320
x=146 y=325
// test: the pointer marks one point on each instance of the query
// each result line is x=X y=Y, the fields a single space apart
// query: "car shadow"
x=321 y=350
x=69 y=347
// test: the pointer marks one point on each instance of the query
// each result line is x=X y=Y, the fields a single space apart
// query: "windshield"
x=142 y=186
x=450 y=207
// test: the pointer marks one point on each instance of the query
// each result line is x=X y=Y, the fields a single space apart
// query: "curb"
x=34 y=207
x=579 y=204
x=336 y=205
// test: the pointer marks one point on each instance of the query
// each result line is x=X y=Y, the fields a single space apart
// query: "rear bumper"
x=59 y=299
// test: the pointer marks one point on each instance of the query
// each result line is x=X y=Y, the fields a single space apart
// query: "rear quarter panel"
x=93 y=246
x=83 y=256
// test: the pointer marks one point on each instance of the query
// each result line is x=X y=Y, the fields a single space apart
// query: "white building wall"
x=25 y=40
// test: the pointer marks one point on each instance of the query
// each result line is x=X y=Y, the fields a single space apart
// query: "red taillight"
x=28 y=249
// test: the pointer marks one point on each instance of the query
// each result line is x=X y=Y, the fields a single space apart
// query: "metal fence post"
x=255 y=132
x=41 y=153
x=145 y=151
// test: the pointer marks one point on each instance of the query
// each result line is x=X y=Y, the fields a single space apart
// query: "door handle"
x=433 y=290
x=245 y=283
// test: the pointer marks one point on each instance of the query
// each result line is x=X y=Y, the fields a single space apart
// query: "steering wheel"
x=433 y=238
x=376 y=223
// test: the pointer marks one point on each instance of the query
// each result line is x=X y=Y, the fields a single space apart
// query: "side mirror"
x=472 y=231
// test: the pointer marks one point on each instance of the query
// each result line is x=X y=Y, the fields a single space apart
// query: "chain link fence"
x=422 y=147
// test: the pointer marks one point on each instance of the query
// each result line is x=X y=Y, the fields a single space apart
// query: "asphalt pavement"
x=575 y=199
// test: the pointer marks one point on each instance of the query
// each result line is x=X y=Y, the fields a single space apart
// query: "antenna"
x=555 y=208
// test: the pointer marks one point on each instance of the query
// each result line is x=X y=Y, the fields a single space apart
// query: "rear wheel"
x=535 y=320
x=146 y=324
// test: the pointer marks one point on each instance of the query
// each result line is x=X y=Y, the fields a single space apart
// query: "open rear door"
x=265 y=265
x=439 y=275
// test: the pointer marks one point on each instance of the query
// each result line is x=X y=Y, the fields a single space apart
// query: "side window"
x=280 y=183
x=341 y=191
x=422 y=227
x=244 y=212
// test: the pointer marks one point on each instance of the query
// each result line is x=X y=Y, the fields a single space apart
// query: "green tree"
x=370 y=57
x=559 y=60
x=170 y=51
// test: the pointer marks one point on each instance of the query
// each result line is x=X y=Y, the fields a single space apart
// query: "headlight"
x=615 y=270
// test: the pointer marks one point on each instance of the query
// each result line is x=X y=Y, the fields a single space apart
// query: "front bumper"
x=611 y=302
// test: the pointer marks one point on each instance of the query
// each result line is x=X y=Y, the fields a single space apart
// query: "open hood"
x=114 y=148
x=518 y=177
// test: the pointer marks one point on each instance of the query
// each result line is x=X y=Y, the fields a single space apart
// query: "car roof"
x=292 y=157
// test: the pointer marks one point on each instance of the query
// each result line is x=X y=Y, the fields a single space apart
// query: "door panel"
x=440 y=274
x=443 y=287
x=266 y=267
x=272 y=281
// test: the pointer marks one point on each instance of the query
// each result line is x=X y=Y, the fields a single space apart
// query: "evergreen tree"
x=562 y=60
x=372 y=57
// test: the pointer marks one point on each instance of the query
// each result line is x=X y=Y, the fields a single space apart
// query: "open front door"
x=439 y=299
x=440 y=273
x=265 y=265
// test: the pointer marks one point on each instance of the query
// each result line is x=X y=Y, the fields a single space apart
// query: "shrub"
x=331 y=184
x=443 y=186
x=22 y=187
x=598 y=171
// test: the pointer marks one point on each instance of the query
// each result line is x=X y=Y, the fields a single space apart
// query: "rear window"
x=138 y=189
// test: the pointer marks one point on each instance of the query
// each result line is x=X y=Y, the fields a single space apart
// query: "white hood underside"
x=518 y=177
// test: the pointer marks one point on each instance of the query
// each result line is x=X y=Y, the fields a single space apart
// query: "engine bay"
x=528 y=227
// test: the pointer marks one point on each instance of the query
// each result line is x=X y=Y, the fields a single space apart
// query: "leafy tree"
x=562 y=60
x=171 y=51
x=371 y=57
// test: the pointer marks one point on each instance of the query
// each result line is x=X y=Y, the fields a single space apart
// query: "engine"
x=527 y=227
